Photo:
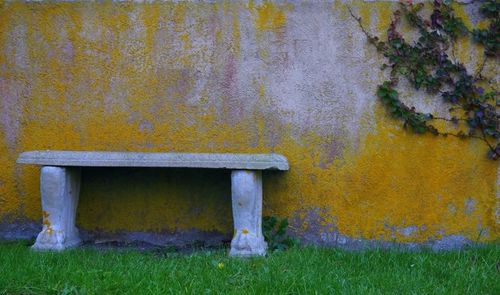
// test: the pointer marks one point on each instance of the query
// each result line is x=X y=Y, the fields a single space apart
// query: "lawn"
x=298 y=271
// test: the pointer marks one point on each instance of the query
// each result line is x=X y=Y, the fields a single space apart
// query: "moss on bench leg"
x=60 y=188
x=246 y=190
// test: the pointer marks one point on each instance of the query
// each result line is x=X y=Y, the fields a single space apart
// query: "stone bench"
x=60 y=188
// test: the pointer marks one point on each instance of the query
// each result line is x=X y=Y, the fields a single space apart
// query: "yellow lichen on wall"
x=399 y=180
x=9 y=201
x=269 y=17
x=114 y=76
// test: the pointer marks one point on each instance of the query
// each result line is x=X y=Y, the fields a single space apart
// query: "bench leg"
x=60 y=188
x=246 y=190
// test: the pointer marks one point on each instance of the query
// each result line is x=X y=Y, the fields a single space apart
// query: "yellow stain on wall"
x=269 y=17
x=9 y=201
x=96 y=86
x=236 y=44
x=179 y=16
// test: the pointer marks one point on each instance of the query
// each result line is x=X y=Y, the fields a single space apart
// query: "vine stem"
x=447 y=119
x=479 y=72
x=358 y=20
x=483 y=137
x=493 y=149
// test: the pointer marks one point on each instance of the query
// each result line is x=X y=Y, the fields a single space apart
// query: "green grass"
x=298 y=271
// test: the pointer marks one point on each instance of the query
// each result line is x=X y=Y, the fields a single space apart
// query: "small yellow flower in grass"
x=220 y=265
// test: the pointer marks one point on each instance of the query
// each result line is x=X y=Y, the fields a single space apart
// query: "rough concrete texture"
x=246 y=195
x=60 y=189
x=295 y=78
x=15 y=229
x=134 y=159
x=331 y=237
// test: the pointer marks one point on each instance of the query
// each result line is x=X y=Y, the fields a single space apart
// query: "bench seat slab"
x=133 y=159
x=60 y=188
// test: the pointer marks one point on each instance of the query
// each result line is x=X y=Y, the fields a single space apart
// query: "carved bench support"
x=60 y=188
x=246 y=190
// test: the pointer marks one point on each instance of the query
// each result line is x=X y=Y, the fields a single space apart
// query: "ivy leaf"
x=393 y=94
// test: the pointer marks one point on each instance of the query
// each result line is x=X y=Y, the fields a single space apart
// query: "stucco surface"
x=294 y=78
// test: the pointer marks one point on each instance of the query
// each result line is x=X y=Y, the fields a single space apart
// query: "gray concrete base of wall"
x=28 y=230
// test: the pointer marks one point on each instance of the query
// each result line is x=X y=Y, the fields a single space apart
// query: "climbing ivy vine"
x=429 y=64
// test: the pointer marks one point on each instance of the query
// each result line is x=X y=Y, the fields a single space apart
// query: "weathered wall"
x=295 y=78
